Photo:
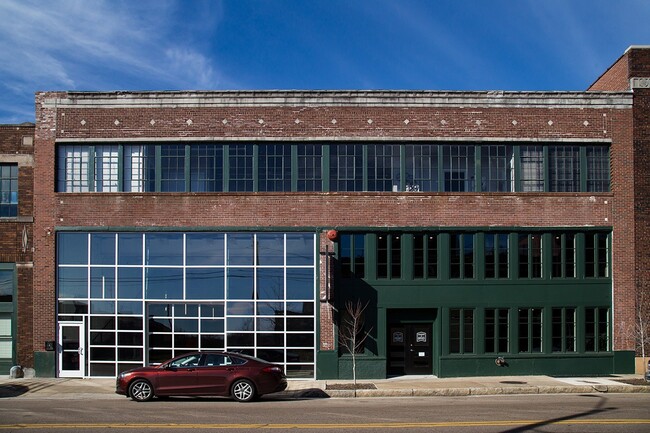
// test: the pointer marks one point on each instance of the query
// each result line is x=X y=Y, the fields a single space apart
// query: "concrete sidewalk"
x=405 y=386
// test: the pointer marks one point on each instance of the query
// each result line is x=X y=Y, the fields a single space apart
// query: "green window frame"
x=8 y=190
x=564 y=329
x=597 y=337
x=496 y=330
x=597 y=247
x=531 y=263
x=389 y=255
x=531 y=330
x=344 y=167
x=564 y=251
x=496 y=253
x=351 y=255
x=462 y=256
x=461 y=330
x=425 y=256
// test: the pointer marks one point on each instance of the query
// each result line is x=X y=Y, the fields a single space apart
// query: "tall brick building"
x=486 y=232
x=16 y=264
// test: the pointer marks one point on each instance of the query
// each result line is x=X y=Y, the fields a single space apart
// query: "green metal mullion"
x=479 y=331
x=581 y=316
x=402 y=168
x=477 y=168
x=547 y=255
x=407 y=255
x=120 y=167
x=547 y=171
x=581 y=254
x=479 y=258
x=187 y=168
x=371 y=256
x=517 y=167
x=294 y=167
x=583 y=168
x=443 y=256
x=91 y=168
x=256 y=164
x=441 y=168
x=364 y=168
x=325 y=167
x=513 y=256
x=563 y=252
x=158 y=156
x=226 y=168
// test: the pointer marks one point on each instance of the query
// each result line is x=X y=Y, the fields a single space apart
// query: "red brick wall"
x=331 y=210
x=616 y=78
x=13 y=150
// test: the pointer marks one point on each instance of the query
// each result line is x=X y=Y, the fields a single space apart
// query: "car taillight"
x=272 y=369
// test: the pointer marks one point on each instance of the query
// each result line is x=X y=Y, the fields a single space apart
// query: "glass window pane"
x=73 y=282
x=139 y=168
x=102 y=282
x=274 y=167
x=172 y=166
x=206 y=167
x=310 y=167
x=300 y=284
x=346 y=167
x=240 y=249
x=164 y=249
x=270 y=283
x=205 y=249
x=129 y=283
x=531 y=161
x=102 y=248
x=164 y=283
x=240 y=167
x=270 y=249
x=6 y=285
x=204 y=283
x=459 y=168
x=421 y=168
x=383 y=167
x=240 y=283
x=106 y=172
x=300 y=249
x=72 y=248
x=129 y=248
x=497 y=168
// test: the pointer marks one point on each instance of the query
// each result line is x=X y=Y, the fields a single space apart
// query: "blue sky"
x=92 y=45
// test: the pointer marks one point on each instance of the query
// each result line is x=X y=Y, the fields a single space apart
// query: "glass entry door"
x=410 y=349
x=71 y=349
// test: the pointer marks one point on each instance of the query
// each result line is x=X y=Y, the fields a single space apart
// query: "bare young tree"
x=639 y=331
x=352 y=333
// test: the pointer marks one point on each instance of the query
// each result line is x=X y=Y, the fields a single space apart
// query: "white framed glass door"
x=71 y=349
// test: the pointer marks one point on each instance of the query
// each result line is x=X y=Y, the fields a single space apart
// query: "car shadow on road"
x=12 y=390
x=565 y=419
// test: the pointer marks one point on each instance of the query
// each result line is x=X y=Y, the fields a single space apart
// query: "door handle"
x=80 y=351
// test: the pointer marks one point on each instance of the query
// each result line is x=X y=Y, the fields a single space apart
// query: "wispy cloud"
x=99 y=45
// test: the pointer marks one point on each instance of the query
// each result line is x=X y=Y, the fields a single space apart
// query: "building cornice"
x=337 y=98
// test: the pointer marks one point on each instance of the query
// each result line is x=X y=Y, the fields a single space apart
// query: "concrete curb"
x=460 y=392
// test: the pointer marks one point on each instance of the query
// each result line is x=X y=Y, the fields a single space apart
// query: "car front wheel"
x=141 y=390
x=243 y=390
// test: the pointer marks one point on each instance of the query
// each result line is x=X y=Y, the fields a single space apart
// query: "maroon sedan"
x=225 y=374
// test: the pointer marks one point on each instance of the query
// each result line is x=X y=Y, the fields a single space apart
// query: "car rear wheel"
x=243 y=390
x=141 y=390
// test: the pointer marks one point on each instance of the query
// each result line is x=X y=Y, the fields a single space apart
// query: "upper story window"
x=349 y=167
x=8 y=190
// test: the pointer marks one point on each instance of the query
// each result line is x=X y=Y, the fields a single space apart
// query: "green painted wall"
x=45 y=364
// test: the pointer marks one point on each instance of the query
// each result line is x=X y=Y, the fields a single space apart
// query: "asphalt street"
x=505 y=413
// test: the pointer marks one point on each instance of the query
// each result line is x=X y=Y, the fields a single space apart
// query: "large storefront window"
x=145 y=297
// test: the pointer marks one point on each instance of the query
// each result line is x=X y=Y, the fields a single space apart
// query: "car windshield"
x=186 y=361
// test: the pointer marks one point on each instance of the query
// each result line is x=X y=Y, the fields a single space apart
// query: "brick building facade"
x=16 y=263
x=475 y=226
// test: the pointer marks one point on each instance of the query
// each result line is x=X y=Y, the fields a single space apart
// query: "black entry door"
x=410 y=349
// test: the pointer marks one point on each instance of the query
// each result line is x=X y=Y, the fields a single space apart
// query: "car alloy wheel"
x=141 y=390
x=243 y=390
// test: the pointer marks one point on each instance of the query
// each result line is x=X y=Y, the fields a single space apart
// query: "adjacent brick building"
x=486 y=232
x=16 y=241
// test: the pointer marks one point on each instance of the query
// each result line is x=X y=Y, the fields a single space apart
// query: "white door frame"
x=76 y=350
